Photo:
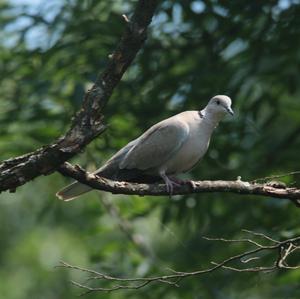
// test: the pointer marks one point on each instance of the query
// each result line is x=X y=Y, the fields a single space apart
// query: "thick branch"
x=88 y=122
x=238 y=186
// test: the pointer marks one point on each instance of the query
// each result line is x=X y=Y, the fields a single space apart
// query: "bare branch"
x=88 y=122
x=252 y=269
x=280 y=250
x=278 y=176
x=234 y=241
x=260 y=235
x=238 y=186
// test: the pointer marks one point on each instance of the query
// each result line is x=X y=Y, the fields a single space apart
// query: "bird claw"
x=174 y=182
x=169 y=184
x=179 y=182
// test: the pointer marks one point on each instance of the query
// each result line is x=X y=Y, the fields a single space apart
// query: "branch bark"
x=88 y=122
x=271 y=189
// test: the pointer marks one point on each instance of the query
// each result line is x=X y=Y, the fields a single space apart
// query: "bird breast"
x=193 y=149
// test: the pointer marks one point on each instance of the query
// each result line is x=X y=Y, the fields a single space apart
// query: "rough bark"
x=271 y=189
x=88 y=122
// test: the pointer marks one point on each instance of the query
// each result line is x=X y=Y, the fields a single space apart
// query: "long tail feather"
x=111 y=171
x=72 y=191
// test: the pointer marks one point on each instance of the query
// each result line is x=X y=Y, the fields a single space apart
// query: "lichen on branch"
x=88 y=122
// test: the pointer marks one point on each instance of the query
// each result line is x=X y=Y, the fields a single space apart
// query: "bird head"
x=219 y=105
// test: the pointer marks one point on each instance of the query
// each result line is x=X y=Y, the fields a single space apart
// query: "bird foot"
x=180 y=182
x=170 y=186
x=170 y=183
x=177 y=182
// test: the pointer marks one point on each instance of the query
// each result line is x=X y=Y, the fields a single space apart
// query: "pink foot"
x=170 y=183
x=180 y=182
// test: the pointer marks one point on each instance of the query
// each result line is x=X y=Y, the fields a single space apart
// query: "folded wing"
x=156 y=146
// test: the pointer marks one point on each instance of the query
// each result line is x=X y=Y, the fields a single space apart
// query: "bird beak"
x=230 y=111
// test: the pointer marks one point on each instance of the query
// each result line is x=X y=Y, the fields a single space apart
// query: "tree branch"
x=280 y=250
x=88 y=122
x=271 y=189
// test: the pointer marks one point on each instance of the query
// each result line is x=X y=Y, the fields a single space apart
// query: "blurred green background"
x=50 y=53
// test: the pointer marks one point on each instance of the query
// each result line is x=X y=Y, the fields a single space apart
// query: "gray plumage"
x=168 y=148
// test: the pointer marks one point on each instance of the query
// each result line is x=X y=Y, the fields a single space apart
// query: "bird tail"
x=73 y=190
x=109 y=170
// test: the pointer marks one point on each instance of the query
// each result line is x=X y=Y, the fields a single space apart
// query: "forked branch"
x=88 y=122
x=278 y=251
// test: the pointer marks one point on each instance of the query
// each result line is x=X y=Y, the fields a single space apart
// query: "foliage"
x=51 y=53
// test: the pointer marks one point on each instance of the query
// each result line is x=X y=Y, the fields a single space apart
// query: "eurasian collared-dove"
x=170 y=147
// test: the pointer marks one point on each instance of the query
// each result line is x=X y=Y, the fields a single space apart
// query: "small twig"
x=252 y=269
x=234 y=241
x=260 y=235
x=125 y=18
x=250 y=259
x=275 y=176
x=284 y=249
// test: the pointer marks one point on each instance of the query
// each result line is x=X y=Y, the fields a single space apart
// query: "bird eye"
x=218 y=102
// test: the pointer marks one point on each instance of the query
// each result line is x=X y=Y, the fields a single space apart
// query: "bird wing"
x=157 y=145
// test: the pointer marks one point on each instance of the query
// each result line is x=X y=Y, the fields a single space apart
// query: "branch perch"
x=88 y=122
x=238 y=186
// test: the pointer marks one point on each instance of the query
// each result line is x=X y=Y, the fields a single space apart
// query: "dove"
x=170 y=147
